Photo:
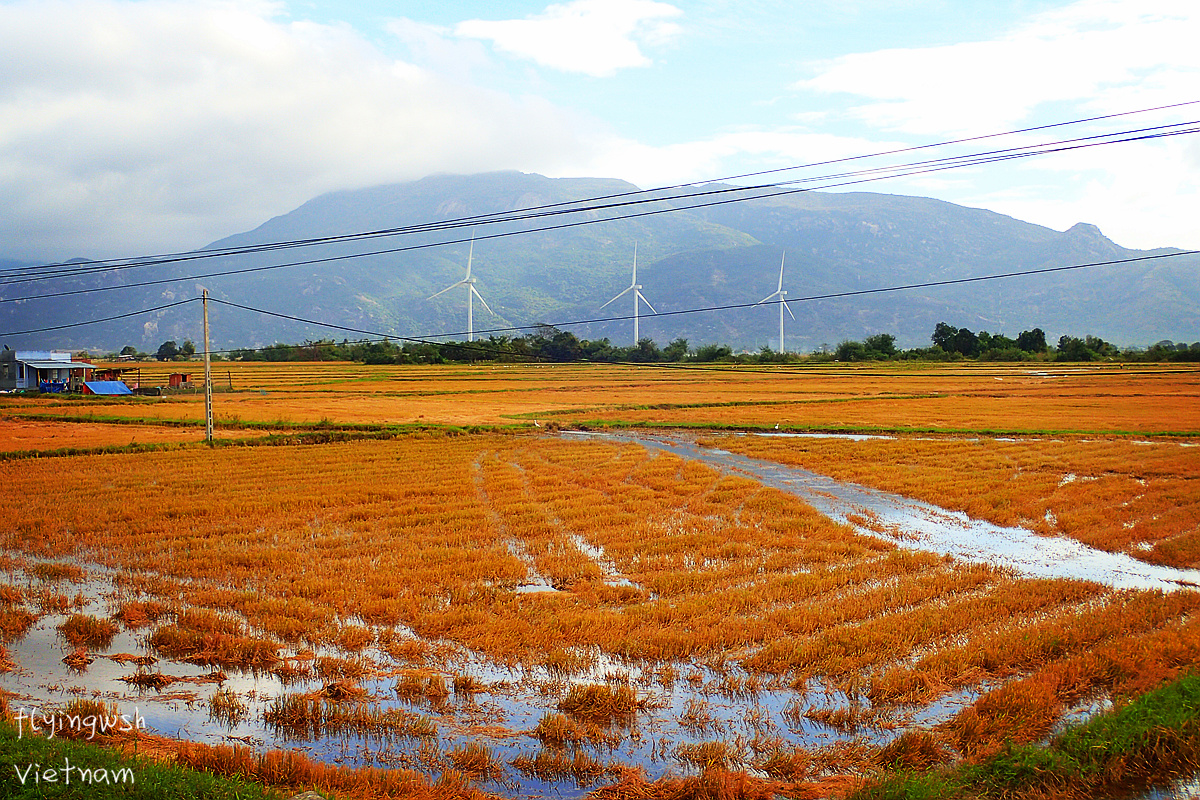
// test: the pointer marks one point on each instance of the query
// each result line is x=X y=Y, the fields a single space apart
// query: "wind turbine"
x=472 y=293
x=780 y=296
x=636 y=288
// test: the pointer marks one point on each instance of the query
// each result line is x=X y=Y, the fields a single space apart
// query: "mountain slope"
x=719 y=255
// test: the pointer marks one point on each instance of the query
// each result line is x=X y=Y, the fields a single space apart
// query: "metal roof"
x=107 y=387
x=59 y=364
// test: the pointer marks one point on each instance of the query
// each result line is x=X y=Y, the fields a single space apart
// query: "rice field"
x=479 y=605
x=1128 y=495
x=1109 y=399
x=42 y=436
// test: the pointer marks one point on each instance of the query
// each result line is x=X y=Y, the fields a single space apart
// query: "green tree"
x=966 y=342
x=1072 y=348
x=188 y=349
x=881 y=344
x=848 y=350
x=1033 y=341
x=646 y=350
x=1108 y=350
x=244 y=354
x=676 y=350
x=768 y=356
x=378 y=353
x=713 y=352
x=420 y=353
x=994 y=341
x=549 y=342
x=598 y=349
x=167 y=350
x=943 y=337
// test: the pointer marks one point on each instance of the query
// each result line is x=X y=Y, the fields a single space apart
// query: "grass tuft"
x=601 y=703
x=84 y=630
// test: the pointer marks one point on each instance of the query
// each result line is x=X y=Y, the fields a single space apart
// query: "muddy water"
x=918 y=525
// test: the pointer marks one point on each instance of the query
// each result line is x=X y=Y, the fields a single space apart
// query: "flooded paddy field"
x=549 y=610
x=540 y=615
x=921 y=525
x=451 y=709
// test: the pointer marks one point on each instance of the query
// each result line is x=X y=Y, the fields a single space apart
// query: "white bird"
x=472 y=293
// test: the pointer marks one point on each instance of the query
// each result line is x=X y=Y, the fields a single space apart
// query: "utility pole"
x=208 y=422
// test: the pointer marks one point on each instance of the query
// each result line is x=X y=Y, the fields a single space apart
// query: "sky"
x=132 y=127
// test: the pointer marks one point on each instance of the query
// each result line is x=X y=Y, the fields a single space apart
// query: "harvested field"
x=1115 y=494
x=33 y=435
x=997 y=398
x=524 y=612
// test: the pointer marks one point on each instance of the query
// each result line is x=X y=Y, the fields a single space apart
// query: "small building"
x=180 y=380
x=110 y=373
x=42 y=370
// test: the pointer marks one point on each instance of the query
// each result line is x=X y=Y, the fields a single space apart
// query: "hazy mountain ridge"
x=719 y=255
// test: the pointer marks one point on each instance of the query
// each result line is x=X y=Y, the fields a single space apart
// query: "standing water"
x=918 y=525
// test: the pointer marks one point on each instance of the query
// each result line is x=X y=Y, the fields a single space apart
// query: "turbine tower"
x=780 y=295
x=636 y=288
x=472 y=293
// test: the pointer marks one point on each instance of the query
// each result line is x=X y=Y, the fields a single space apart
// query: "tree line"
x=547 y=343
x=949 y=343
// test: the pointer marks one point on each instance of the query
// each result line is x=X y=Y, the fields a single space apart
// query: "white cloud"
x=166 y=124
x=436 y=48
x=728 y=153
x=594 y=37
x=149 y=125
x=1097 y=53
x=1140 y=196
x=1089 y=58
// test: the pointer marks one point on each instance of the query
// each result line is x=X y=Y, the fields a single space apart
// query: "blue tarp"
x=107 y=387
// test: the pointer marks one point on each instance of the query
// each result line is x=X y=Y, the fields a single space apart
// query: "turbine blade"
x=789 y=310
x=475 y=292
x=470 y=255
x=618 y=297
x=647 y=302
x=448 y=288
x=634 y=281
x=768 y=297
x=780 y=289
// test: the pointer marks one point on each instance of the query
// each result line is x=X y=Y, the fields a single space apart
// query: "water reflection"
x=684 y=706
x=918 y=525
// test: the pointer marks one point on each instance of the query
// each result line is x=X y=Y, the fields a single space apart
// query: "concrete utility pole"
x=208 y=422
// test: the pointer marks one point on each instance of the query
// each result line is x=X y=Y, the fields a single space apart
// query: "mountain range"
x=701 y=248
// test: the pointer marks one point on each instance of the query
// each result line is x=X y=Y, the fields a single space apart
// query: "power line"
x=766 y=192
x=429 y=338
x=98 y=321
x=347 y=329
x=425 y=338
x=483 y=218
x=761 y=191
x=493 y=351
